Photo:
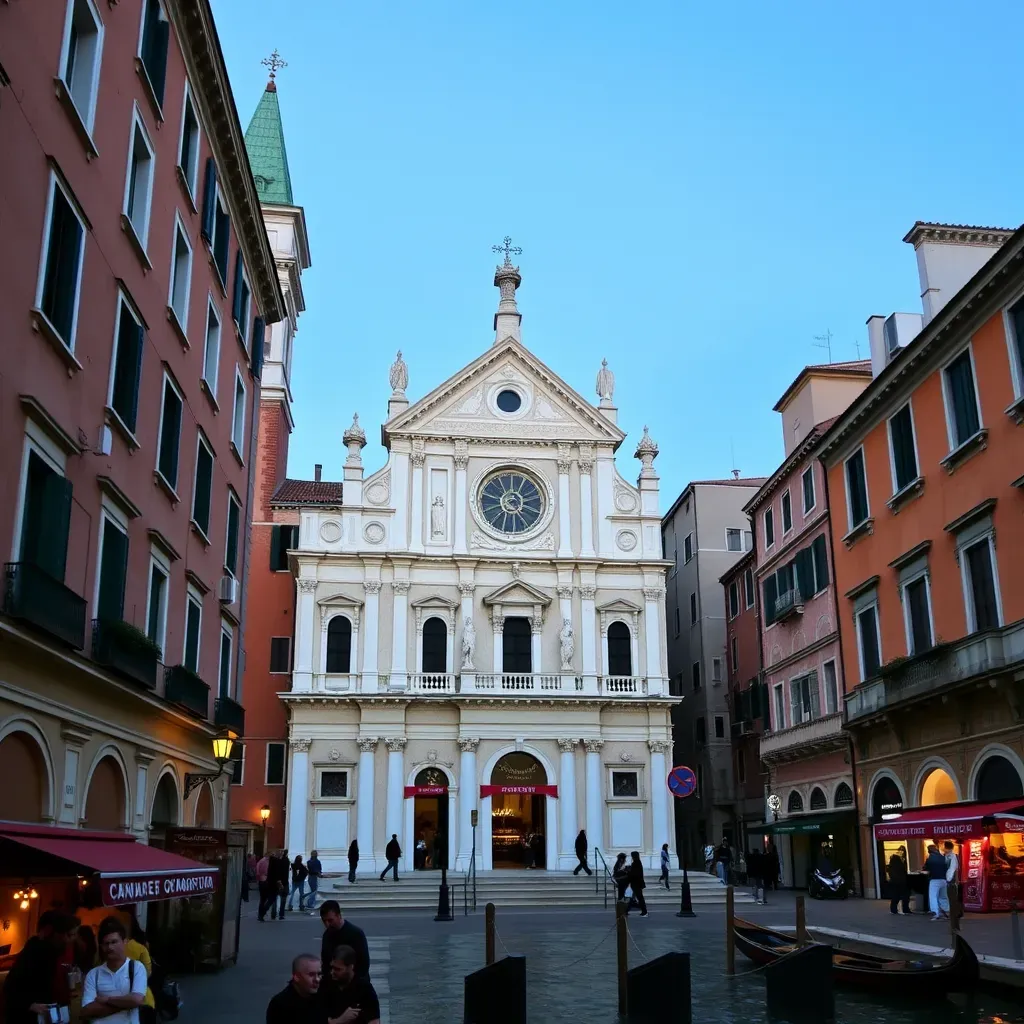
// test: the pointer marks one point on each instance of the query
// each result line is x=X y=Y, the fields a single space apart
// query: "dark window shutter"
x=804 y=562
x=275 y=764
x=275 y=548
x=193 y=617
x=965 y=402
x=57 y=524
x=204 y=483
x=113 y=571
x=209 y=200
x=280 y=653
x=236 y=298
x=157 y=66
x=771 y=591
x=231 y=554
x=170 y=436
x=137 y=382
x=820 y=562
x=1017 y=319
x=60 y=283
x=127 y=369
x=258 y=331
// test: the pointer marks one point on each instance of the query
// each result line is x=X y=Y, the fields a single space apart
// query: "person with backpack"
x=116 y=990
x=299 y=874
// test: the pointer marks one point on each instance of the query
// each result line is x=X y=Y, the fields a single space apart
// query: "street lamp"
x=265 y=817
x=223 y=743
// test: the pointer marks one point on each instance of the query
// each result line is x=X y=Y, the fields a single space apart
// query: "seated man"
x=349 y=999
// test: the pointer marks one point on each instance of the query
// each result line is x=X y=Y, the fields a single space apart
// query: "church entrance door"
x=430 y=820
x=519 y=798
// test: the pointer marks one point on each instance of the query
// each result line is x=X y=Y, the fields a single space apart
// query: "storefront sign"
x=425 y=791
x=974 y=854
x=521 y=790
x=955 y=828
x=117 y=892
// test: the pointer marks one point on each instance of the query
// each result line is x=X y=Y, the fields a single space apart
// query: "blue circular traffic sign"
x=681 y=781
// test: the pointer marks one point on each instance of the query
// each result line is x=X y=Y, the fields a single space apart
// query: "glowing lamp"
x=222 y=744
x=264 y=813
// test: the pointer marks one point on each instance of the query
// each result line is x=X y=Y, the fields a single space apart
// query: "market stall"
x=988 y=839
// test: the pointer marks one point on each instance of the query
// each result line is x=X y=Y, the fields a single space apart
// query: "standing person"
x=774 y=866
x=316 y=870
x=353 y=861
x=898 y=884
x=277 y=877
x=763 y=872
x=299 y=875
x=117 y=988
x=620 y=875
x=263 y=887
x=299 y=1002
x=349 y=999
x=86 y=949
x=951 y=892
x=137 y=948
x=31 y=985
x=709 y=859
x=581 y=854
x=935 y=865
x=664 y=866
x=339 y=932
x=635 y=874
x=393 y=853
x=723 y=861
x=754 y=874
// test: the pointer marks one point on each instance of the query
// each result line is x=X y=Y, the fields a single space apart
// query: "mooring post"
x=801 y=922
x=489 y=934
x=621 y=955
x=1018 y=948
x=730 y=934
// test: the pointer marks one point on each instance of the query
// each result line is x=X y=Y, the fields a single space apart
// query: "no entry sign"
x=681 y=781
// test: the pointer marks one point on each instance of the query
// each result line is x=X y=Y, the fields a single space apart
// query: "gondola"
x=913 y=979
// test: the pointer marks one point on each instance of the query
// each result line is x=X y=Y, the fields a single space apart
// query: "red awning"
x=953 y=821
x=129 y=872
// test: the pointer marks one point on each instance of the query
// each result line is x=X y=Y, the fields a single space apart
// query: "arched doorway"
x=886 y=804
x=430 y=820
x=105 y=803
x=620 y=650
x=165 y=803
x=435 y=646
x=518 y=791
x=998 y=779
x=204 y=807
x=21 y=758
x=938 y=787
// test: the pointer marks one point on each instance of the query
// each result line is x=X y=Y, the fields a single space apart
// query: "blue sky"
x=699 y=191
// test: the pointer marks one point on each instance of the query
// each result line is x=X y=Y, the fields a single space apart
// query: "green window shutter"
x=820 y=554
x=209 y=200
x=113 y=572
x=804 y=572
x=56 y=524
x=236 y=296
x=258 y=331
x=275 y=548
x=231 y=557
x=204 y=483
x=771 y=592
x=170 y=435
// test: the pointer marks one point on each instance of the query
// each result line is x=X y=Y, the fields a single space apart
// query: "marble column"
x=595 y=797
x=461 y=462
x=568 y=824
x=416 y=526
x=365 y=798
x=564 y=504
x=399 y=634
x=536 y=643
x=653 y=600
x=371 y=639
x=497 y=628
x=586 y=463
x=469 y=790
x=396 y=789
x=659 y=800
x=298 y=795
x=588 y=640
x=305 y=612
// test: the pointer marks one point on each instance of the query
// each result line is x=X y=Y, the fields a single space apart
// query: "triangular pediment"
x=620 y=604
x=435 y=601
x=517 y=592
x=465 y=404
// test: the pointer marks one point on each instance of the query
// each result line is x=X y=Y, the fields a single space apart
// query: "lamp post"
x=223 y=743
x=265 y=817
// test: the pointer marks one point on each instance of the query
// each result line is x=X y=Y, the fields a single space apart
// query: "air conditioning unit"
x=227 y=592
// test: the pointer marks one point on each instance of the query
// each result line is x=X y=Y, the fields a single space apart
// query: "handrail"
x=598 y=877
x=470 y=875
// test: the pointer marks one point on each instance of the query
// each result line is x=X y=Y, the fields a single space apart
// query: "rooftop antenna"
x=824 y=341
x=857 y=344
x=732 y=455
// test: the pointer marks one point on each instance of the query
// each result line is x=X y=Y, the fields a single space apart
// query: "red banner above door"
x=425 y=791
x=519 y=790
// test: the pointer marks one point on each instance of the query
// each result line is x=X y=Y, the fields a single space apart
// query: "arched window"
x=844 y=796
x=435 y=645
x=795 y=803
x=339 y=645
x=104 y=803
x=938 y=788
x=818 y=799
x=998 y=780
x=516 y=646
x=165 y=802
x=620 y=650
x=22 y=759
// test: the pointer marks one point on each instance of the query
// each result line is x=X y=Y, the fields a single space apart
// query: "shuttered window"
x=282 y=540
x=904 y=457
x=771 y=592
x=46 y=518
x=113 y=572
x=962 y=398
x=856 y=489
x=203 y=487
x=170 y=435
x=127 y=372
x=820 y=555
x=155 y=39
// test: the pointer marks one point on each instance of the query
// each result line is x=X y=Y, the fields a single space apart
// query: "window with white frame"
x=769 y=527
x=903 y=449
x=748 y=588
x=44 y=507
x=803 y=692
x=233 y=532
x=716 y=670
x=80 y=58
x=857 y=508
x=917 y=612
x=181 y=275
x=869 y=645
x=275 y=764
x=138 y=189
x=980 y=585
x=807 y=487
x=188 y=145
x=734 y=599
x=734 y=540
x=238 y=416
x=193 y=629
x=831 y=687
x=227 y=645
x=153 y=45
x=687 y=547
x=170 y=433
x=60 y=265
x=126 y=364
x=963 y=413
x=211 y=352
x=780 y=707
x=202 y=491
x=157 y=599
x=787 y=512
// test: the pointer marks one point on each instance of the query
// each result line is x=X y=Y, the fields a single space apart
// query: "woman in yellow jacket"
x=136 y=949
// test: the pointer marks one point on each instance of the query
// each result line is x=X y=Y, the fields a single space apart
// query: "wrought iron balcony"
x=789 y=603
x=125 y=650
x=804 y=739
x=229 y=714
x=182 y=686
x=33 y=596
x=944 y=668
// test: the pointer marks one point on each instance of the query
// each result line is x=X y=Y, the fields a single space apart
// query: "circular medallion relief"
x=373 y=532
x=330 y=532
x=624 y=501
x=626 y=540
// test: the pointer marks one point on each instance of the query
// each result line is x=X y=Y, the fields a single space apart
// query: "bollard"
x=1018 y=948
x=730 y=932
x=444 y=910
x=799 y=986
x=621 y=956
x=489 y=934
x=801 y=922
x=685 y=900
x=659 y=991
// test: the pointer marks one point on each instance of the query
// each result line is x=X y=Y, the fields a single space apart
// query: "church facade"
x=479 y=636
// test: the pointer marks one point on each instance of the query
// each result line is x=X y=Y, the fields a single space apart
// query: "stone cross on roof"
x=508 y=249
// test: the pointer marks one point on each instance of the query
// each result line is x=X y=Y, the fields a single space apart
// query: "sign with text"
x=953 y=828
x=520 y=790
x=121 y=890
x=425 y=791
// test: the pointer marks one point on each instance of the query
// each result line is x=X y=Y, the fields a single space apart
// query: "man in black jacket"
x=581 y=854
x=31 y=983
x=277 y=881
x=339 y=932
x=349 y=999
x=393 y=852
x=298 y=1001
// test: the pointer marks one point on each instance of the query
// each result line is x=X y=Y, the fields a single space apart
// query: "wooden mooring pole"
x=730 y=933
x=621 y=955
x=801 y=922
x=489 y=933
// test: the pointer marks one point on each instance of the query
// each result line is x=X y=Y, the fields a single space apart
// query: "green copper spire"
x=264 y=141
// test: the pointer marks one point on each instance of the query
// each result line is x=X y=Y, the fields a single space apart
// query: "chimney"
x=317 y=470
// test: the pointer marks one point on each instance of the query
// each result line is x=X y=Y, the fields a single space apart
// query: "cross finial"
x=274 y=62
x=508 y=249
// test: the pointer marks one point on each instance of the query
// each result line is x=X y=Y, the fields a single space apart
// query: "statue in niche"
x=437 y=517
x=468 y=644
x=567 y=645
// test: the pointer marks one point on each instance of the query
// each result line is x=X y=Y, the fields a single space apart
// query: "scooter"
x=828 y=886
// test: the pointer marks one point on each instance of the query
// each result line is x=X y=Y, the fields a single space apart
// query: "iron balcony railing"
x=182 y=686
x=33 y=596
x=229 y=714
x=788 y=603
x=121 y=648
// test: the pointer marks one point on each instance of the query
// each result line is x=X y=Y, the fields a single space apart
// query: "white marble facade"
x=496 y=587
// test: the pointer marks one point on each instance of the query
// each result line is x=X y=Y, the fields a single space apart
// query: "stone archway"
x=105 y=801
x=998 y=779
x=204 y=813
x=165 y=802
x=519 y=812
x=938 y=787
x=22 y=758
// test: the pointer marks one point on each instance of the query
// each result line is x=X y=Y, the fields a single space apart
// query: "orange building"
x=925 y=474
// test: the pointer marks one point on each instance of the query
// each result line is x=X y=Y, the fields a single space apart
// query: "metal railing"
x=469 y=886
x=229 y=714
x=32 y=595
x=787 y=602
x=603 y=876
x=184 y=687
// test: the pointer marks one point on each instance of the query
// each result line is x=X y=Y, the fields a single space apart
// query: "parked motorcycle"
x=829 y=885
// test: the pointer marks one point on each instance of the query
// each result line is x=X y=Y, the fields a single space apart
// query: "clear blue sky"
x=699 y=190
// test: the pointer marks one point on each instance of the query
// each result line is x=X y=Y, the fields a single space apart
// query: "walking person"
x=278 y=876
x=755 y=872
x=117 y=988
x=581 y=854
x=347 y=998
x=935 y=866
x=353 y=861
x=774 y=866
x=299 y=874
x=664 y=866
x=899 y=887
x=339 y=932
x=951 y=891
x=723 y=861
x=709 y=859
x=620 y=876
x=393 y=853
x=263 y=888
x=299 y=1001
x=635 y=875
x=316 y=871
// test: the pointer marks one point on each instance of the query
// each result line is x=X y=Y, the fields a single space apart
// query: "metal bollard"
x=489 y=934
x=1018 y=948
x=730 y=934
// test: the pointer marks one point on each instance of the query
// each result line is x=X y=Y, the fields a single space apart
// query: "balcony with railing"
x=788 y=603
x=432 y=682
x=907 y=680
x=183 y=687
x=814 y=736
x=514 y=682
x=616 y=686
x=229 y=714
x=443 y=684
x=125 y=650
x=33 y=596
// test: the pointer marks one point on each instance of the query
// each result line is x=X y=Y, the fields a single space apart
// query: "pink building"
x=810 y=810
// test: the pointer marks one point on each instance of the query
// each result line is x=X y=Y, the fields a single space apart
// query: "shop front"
x=805 y=842
x=988 y=839
x=430 y=797
x=519 y=792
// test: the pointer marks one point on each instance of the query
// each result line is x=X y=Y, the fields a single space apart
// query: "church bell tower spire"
x=507 y=279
